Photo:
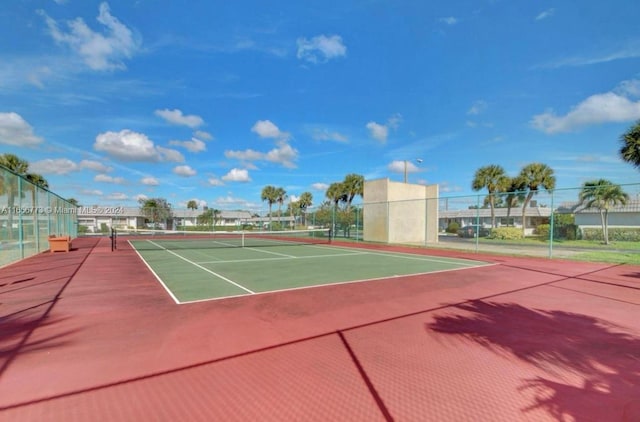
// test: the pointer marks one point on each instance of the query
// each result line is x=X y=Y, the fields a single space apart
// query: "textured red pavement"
x=90 y=335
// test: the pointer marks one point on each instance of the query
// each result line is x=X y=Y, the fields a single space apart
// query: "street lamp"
x=406 y=164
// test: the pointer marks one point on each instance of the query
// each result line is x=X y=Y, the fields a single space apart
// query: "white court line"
x=315 y=286
x=203 y=268
x=175 y=299
x=271 y=252
x=230 y=261
x=453 y=261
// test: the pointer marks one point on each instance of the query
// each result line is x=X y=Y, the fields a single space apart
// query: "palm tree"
x=602 y=194
x=630 y=150
x=269 y=194
x=215 y=213
x=532 y=177
x=494 y=178
x=353 y=185
x=336 y=194
x=305 y=201
x=192 y=204
x=280 y=198
x=515 y=195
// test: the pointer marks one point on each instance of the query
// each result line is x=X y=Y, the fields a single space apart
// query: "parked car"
x=470 y=231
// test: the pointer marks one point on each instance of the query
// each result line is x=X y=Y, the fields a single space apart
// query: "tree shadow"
x=17 y=335
x=604 y=356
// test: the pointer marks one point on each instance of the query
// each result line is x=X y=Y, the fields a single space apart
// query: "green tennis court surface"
x=195 y=271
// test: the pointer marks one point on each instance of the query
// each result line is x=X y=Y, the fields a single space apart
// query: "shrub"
x=453 y=227
x=506 y=233
x=543 y=230
x=618 y=234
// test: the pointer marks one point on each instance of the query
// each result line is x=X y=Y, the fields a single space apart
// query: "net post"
x=113 y=239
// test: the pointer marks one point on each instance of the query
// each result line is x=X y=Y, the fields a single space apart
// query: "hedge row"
x=620 y=234
x=506 y=233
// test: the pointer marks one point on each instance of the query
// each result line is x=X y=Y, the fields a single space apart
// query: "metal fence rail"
x=28 y=215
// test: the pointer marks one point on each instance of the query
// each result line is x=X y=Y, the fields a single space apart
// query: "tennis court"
x=196 y=267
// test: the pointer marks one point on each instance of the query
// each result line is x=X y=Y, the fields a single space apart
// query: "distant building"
x=534 y=216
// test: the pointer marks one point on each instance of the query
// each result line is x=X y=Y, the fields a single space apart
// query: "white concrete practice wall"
x=395 y=212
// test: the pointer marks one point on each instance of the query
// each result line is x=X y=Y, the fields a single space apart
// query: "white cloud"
x=96 y=166
x=450 y=20
x=394 y=121
x=266 y=129
x=99 y=51
x=108 y=179
x=194 y=145
x=283 y=154
x=141 y=196
x=184 y=171
x=246 y=155
x=14 y=130
x=629 y=51
x=320 y=186
x=326 y=135
x=214 y=181
x=201 y=134
x=477 y=108
x=91 y=192
x=177 y=118
x=54 y=166
x=117 y=196
x=378 y=132
x=546 y=14
x=237 y=175
x=321 y=48
x=149 y=181
x=398 y=166
x=127 y=145
x=172 y=155
x=597 y=109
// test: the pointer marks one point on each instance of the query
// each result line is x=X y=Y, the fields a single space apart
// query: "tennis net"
x=174 y=239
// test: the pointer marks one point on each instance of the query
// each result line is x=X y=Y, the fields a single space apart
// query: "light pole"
x=406 y=164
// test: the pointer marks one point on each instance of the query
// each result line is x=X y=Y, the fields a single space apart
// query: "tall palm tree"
x=602 y=194
x=336 y=194
x=280 y=198
x=515 y=195
x=353 y=186
x=630 y=150
x=305 y=201
x=269 y=194
x=494 y=178
x=532 y=177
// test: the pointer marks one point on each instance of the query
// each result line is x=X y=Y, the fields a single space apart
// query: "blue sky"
x=113 y=101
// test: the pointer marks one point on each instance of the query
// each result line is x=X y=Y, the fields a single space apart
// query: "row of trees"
x=517 y=190
x=330 y=211
x=511 y=192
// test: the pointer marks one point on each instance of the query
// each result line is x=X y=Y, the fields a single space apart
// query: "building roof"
x=499 y=212
x=576 y=208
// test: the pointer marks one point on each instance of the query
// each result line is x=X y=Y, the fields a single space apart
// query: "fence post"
x=551 y=229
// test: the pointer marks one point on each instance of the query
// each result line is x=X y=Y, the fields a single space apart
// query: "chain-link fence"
x=28 y=215
x=558 y=223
